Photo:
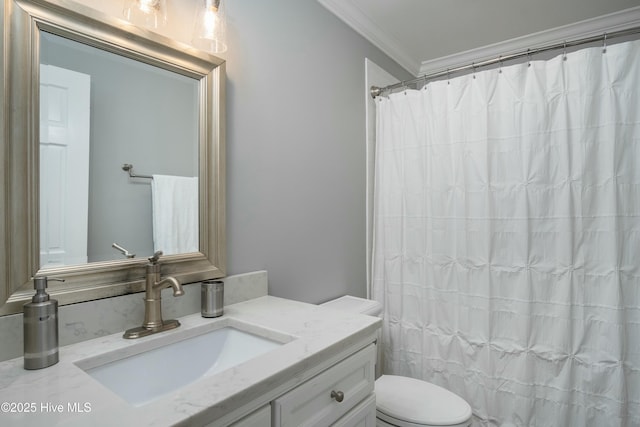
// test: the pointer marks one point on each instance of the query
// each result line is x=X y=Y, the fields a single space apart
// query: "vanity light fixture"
x=146 y=13
x=210 y=27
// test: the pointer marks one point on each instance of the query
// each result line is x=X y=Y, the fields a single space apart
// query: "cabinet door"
x=363 y=415
x=322 y=400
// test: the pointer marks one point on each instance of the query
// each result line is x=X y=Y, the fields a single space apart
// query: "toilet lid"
x=355 y=305
x=419 y=402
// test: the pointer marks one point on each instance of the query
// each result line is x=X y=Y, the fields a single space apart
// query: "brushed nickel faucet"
x=153 y=322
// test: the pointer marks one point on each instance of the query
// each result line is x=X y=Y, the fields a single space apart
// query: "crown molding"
x=363 y=25
x=617 y=21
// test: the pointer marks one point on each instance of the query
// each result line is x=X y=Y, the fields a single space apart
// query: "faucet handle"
x=154 y=259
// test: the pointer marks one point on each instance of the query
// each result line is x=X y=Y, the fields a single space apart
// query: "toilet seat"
x=409 y=402
x=386 y=422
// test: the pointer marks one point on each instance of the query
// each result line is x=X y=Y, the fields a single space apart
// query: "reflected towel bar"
x=127 y=167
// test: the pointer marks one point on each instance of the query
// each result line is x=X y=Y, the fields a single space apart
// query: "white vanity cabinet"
x=341 y=396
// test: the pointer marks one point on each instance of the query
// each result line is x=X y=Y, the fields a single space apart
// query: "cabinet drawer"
x=312 y=404
x=363 y=415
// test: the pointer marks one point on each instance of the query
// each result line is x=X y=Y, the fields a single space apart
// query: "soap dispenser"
x=40 y=328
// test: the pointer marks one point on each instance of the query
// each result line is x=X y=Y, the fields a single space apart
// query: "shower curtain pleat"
x=507 y=238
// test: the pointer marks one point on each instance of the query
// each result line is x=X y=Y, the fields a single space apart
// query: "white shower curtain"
x=507 y=238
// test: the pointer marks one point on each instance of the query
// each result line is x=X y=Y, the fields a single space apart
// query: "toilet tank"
x=355 y=305
x=361 y=306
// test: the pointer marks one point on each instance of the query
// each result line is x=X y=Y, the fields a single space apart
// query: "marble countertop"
x=64 y=395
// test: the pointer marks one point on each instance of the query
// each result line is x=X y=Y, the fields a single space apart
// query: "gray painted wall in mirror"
x=142 y=115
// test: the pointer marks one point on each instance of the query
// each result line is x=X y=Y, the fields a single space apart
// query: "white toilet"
x=403 y=401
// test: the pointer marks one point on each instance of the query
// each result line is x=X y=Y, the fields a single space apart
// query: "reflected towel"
x=175 y=214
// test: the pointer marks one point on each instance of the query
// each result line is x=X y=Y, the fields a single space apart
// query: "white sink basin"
x=144 y=377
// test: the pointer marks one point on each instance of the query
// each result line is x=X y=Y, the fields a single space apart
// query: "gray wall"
x=296 y=147
x=295 y=142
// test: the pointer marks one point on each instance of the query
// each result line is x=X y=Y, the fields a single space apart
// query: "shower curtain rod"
x=377 y=91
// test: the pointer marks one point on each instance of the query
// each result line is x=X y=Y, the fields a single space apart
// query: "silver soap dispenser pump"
x=40 y=328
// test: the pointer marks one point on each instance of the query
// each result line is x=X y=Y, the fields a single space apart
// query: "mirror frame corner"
x=19 y=155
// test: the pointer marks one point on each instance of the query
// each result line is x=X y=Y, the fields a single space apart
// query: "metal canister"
x=212 y=298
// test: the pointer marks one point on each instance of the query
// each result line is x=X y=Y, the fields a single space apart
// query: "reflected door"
x=64 y=166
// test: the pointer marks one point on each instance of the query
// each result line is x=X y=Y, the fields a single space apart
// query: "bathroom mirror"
x=98 y=112
x=31 y=28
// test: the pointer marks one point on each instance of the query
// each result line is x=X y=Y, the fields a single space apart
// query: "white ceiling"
x=414 y=31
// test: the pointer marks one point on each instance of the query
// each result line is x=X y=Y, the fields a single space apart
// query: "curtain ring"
x=448 y=80
x=473 y=67
x=604 y=44
x=500 y=62
x=424 y=85
x=564 y=51
x=528 y=58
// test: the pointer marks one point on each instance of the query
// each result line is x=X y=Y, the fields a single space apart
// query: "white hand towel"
x=175 y=214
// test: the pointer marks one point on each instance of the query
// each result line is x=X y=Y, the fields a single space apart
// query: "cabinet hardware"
x=337 y=395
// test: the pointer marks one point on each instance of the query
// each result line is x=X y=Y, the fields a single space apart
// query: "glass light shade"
x=210 y=27
x=146 y=13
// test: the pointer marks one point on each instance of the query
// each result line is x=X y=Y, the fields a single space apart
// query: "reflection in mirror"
x=99 y=111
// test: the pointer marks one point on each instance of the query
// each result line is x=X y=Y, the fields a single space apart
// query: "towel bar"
x=127 y=167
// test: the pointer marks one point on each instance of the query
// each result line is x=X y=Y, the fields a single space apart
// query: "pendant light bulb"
x=146 y=13
x=210 y=27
